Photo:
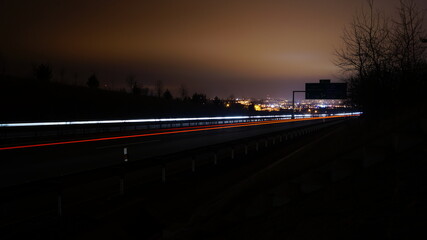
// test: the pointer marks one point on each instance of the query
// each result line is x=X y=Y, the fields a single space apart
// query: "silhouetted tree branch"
x=159 y=88
x=199 y=98
x=408 y=49
x=217 y=101
x=93 y=82
x=43 y=73
x=184 y=92
x=134 y=85
x=381 y=56
x=167 y=95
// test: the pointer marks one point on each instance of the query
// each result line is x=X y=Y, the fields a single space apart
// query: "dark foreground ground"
x=354 y=181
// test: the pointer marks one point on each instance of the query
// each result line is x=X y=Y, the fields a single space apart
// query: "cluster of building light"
x=267 y=107
x=244 y=102
x=322 y=103
x=271 y=105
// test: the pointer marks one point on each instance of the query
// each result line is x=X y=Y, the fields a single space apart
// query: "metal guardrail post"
x=59 y=198
x=122 y=171
x=125 y=154
x=215 y=158
x=58 y=190
x=193 y=164
x=163 y=174
x=232 y=153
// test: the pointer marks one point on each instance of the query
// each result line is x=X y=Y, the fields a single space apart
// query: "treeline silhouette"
x=41 y=99
x=384 y=60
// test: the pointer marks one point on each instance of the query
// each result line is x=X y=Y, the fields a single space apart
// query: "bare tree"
x=93 y=82
x=199 y=98
x=407 y=37
x=2 y=66
x=43 y=73
x=134 y=85
x=75 y=77
x=62 y=75
x=130 y=81
x=184 y=92
x=383 y=57
x=159 y=88
x=167 y=95
x=366 y=43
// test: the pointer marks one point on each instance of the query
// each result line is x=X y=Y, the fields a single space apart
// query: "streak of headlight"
x=157 y=120
x=204 y=128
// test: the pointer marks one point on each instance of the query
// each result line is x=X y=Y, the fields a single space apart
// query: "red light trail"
x=172 y=131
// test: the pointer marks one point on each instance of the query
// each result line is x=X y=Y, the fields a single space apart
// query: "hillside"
x=29 y=100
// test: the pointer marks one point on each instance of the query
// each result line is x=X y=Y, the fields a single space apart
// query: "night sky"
x=222 y=47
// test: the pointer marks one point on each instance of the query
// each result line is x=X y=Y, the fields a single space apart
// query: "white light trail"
x=160 y=120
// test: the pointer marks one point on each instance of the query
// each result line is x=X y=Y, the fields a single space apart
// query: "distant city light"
x=273 y=105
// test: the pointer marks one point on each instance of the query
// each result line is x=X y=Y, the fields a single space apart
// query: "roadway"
x=39 y=160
